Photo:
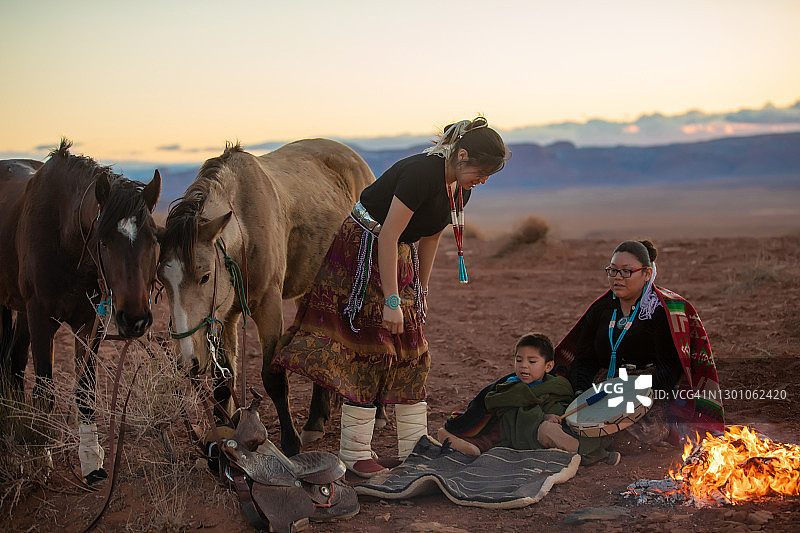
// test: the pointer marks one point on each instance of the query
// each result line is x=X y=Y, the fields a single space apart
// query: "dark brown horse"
x=278 y=214
x=58 y=222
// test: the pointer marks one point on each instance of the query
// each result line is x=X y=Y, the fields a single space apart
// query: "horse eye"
x=205 y=279
x=103 y=245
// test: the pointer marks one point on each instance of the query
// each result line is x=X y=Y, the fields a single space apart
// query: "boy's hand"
x=551 y=418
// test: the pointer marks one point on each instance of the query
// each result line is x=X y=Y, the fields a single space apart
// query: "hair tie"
x=443 y=146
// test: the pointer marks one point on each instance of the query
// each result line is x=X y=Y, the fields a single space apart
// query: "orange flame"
x=740 y=465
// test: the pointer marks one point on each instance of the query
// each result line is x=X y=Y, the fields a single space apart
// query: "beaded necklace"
x=443 y=149
x=457 y=218
x=626 y=322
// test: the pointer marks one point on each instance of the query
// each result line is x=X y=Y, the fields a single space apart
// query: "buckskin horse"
x=69 y=230
x=270 y=219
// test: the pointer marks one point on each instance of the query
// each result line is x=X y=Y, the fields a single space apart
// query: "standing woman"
x=358 y=331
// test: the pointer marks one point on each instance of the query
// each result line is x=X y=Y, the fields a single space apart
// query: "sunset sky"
x=156 y=80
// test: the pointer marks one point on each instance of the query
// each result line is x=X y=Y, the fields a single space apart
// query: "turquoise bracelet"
x=392 y=302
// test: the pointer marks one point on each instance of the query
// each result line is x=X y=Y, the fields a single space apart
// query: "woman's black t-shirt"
x=647 y=342
x=418 y=182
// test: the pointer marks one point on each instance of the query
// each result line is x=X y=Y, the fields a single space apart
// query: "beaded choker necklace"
x=457 y=218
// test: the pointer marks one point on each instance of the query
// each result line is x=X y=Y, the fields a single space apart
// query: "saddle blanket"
x=501 y=478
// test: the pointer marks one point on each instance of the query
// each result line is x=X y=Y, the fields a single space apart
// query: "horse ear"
x=152 y=191
x=209 y=231
x=102 y=188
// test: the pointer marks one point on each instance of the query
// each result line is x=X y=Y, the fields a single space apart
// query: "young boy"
x=522 y=410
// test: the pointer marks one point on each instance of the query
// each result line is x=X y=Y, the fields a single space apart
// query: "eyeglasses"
x=612 y=272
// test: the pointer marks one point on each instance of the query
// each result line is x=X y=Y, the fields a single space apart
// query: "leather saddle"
x=280 y=493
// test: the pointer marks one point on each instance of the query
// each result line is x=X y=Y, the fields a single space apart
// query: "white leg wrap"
x=357 y=426
x=412 y=423
x=89 y=450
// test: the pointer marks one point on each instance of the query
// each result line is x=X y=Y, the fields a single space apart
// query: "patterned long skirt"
x=370 y=364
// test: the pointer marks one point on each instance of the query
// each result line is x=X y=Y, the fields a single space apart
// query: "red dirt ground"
x=745 y=290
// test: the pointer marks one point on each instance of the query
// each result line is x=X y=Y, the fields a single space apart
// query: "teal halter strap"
x=207 y=321
x=237 y=281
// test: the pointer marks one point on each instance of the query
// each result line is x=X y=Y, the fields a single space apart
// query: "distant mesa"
x=764 y=160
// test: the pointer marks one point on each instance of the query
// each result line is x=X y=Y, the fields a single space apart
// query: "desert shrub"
x=763 y=269
x=530 y=230
x=156 y=453
x=28 y=436
x=168 y=501
x=473 y=232
x=161 y=391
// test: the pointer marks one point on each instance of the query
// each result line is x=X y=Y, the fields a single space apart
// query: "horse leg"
x=19 y=348
x=269 y=318
x=6 y=334
x=276 y=383
x=90 y=452
x=14 y=349
x=319 y=413
x=85 y=373
x=380 y=415
x=42 y=329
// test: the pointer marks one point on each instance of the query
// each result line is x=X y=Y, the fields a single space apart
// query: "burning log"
x=738 y=466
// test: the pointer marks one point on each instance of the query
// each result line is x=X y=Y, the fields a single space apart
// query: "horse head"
x=193 y=270
x=128 y=248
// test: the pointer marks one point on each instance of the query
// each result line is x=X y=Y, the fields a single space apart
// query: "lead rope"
x=243 y=302
x=214 y=343
x=457 y=219
x=115 y=451
x=239 y=282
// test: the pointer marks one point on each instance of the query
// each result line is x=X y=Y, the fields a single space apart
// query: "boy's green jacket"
x=520 y=408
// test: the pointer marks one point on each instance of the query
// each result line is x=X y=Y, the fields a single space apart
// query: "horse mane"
x=183 y=219
x=125 y=199
x=78 y=164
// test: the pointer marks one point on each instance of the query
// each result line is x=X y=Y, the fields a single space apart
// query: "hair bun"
x=652 y=251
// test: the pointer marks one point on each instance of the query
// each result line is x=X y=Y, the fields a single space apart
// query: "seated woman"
x=636 y=324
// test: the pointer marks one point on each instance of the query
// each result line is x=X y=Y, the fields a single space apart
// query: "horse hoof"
x=380 y=423
x=307 y=436
x=94 y=476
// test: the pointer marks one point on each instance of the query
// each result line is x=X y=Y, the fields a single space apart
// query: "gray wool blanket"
x=501 y=478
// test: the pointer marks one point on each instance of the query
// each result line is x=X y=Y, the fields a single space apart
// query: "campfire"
x=737 y=466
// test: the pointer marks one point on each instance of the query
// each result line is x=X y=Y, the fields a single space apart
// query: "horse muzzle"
x=191 y=367
x=130 y=326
